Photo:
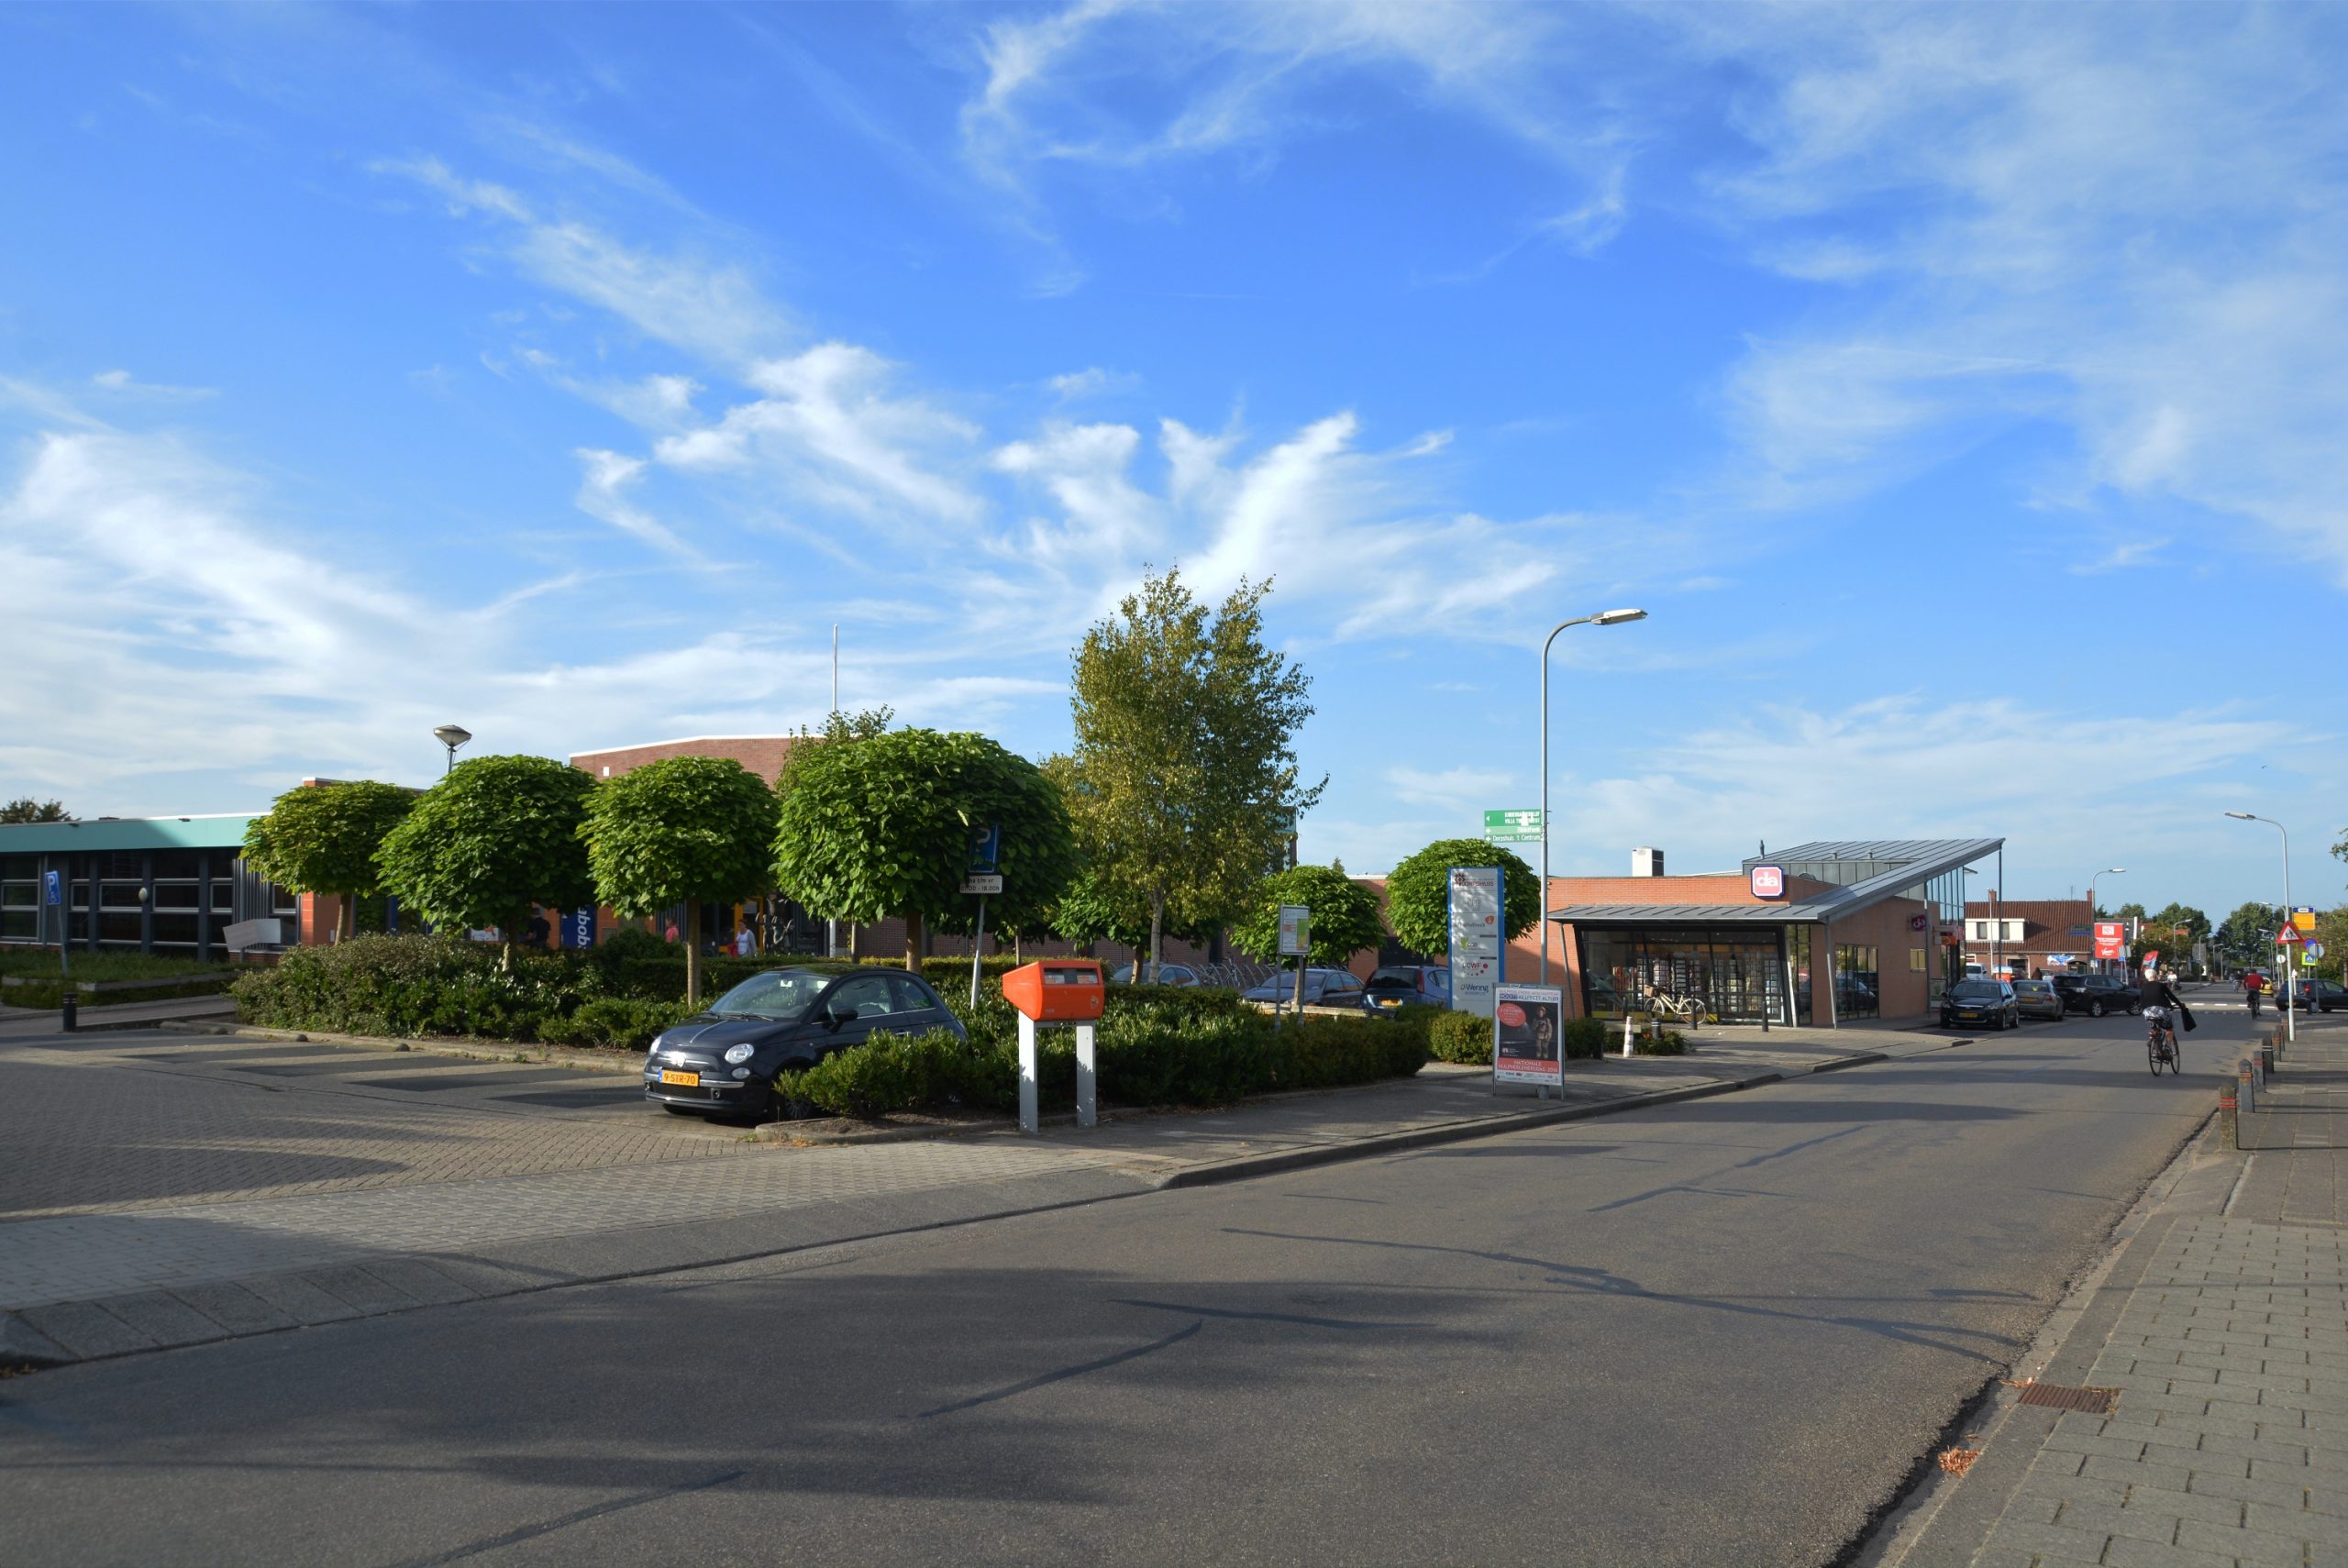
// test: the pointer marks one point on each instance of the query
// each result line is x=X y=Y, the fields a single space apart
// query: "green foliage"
x=1418 y=892
x=1345 y=915
x=1462 y=1037
x=1158 y=1045
x=626 y=1023
x=1583 y=1038
x=1183 y=781
x=324 y=838
x=686 y=830
x=495 y=836
x=882 y=826
x=25 y=809
x=413 y=985
x=1095 y=910
x=1663 y=1043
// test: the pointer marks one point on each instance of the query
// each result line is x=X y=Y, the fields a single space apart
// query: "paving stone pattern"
x=83 y=1134
x=2229 y=1444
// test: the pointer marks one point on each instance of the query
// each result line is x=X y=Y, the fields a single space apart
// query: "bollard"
x=2229 y=1127
x=2265 y=1063
x=2245 y=1088
x=69 y=1014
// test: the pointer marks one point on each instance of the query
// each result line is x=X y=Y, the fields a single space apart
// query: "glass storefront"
x=1735 y=973
x=1858 y=988
x=1797 y=959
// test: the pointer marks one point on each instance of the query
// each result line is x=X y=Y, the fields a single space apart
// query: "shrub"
x=1665 y=1043
x=626 y=1023
x=1583 y=1038
x=894 y=1072
x=1462 y=1037
x=413 y=985
x=1323 y=1053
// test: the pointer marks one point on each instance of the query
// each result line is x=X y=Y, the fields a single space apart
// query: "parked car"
x=2039 y=999
x=723 y=1061
x=2313 y=995
x=1323 y=987
x=1989 y=1002
x=2096 y=995
x=1392 y=985
x=1168 y=975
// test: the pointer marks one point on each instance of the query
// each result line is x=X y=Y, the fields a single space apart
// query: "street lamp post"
x=2290 y=959
x=1603 y=618
x=2107 y=871
x=452 y=736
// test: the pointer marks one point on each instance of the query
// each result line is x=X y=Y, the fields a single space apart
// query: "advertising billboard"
x=2111 y=939
x=1528 y=1027
x=1768 y=881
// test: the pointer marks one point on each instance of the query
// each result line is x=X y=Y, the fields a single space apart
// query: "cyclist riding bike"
x=2253 y=984
x=2162 y=1009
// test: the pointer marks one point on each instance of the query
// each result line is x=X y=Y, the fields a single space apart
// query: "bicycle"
x=2160 y=1042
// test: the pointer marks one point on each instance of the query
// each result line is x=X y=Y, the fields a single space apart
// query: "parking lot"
x=119 y=1120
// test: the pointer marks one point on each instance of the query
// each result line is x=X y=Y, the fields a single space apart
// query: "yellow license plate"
x=682 y=1080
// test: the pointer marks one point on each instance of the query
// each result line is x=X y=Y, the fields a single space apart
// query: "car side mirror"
x=837 y=1013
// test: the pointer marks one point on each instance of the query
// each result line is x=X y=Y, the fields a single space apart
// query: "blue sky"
x=1958 y=387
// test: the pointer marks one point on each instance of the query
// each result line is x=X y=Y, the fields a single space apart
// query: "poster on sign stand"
x=1528 y=1036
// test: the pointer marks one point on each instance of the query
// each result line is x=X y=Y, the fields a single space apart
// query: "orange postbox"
x=1056 y=990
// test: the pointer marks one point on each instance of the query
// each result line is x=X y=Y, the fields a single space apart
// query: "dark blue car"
x=724 y=1062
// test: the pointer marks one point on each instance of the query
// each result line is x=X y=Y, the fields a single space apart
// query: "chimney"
x=1646 y=862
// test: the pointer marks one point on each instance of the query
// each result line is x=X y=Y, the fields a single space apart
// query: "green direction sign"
x=1512 y=827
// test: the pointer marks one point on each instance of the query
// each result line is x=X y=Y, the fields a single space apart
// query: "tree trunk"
x=912 y=940
x=1156 y=933
x=693 y=952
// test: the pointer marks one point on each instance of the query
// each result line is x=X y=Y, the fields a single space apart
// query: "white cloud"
x=124 y=383
x=607 y=475
x=1461 y=791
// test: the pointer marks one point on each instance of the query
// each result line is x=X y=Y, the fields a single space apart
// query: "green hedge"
x=1467 y=1038
x=1157 y=1046
x=627 y=1023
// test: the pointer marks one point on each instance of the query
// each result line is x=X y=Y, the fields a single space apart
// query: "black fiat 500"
x=724 y=1062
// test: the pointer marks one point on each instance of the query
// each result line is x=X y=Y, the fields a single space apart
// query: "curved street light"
x=452 y=736
x=1603 y=618
x=2290 y=959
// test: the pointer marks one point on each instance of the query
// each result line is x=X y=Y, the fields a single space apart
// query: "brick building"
x=2031 y=936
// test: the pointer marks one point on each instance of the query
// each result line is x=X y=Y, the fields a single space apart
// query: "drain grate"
x=2095 y=1401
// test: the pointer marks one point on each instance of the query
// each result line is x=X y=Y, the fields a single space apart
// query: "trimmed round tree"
x=322 y=839
x=1418 y=892
x=495 y=837
x=882 y=826
x=1344 y=915
x=690 y=831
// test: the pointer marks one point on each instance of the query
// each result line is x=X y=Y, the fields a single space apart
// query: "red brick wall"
x=762 y=755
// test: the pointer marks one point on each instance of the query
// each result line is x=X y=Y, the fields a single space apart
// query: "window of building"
x=1858 y=988
x=1735 y=976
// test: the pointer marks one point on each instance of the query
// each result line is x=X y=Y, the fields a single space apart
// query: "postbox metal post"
x=1028 y=1122
x=1087 y=1079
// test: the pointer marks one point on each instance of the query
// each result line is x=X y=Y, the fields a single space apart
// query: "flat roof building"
x=168 y=885
x=1820 y=934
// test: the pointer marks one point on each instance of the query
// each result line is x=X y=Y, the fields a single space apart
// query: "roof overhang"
x=1937 y=858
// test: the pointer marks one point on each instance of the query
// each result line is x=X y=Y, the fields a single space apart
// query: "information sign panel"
x=981 y=884
x=1528 y=1025
x=1296 y=931
x=2111 y=939
x=2303 y=916
x=1476 y=942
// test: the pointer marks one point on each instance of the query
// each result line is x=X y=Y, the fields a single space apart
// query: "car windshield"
x=1395 y=979
x=2032 y=987
x=1976 y=990
x=777 y=993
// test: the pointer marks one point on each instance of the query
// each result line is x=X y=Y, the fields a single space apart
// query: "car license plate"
x=1389 y=1001
x=682 y=1080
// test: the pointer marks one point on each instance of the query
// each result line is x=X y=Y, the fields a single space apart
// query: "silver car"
x=2038 y=999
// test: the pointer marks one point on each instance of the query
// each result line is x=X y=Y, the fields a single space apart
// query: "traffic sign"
x=982 y=883
x=2313 y=950
x=2288 y=935
x=52 y=890
x=2303 y=916
x=986 y=849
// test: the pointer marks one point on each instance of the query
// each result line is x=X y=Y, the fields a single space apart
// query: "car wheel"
x=2095 y=1009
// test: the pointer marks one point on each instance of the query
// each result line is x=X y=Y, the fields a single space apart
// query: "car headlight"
x=738 y=1054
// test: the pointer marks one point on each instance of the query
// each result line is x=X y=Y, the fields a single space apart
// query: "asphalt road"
x=1716 y=1332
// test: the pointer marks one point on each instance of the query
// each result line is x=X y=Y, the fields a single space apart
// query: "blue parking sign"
x=52 y=888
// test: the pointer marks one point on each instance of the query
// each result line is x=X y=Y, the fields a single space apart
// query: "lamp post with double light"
x=2291 y=953
x=1603 y=618
x=452 y=736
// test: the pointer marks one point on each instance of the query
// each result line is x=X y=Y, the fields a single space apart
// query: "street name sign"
x=1520 y=826
x=1476 y=942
